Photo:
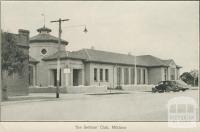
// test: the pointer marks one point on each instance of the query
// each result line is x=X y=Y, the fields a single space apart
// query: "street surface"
x=129 y=106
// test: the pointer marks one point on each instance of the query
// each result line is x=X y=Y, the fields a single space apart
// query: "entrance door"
x=77 y=77
x=55 y=77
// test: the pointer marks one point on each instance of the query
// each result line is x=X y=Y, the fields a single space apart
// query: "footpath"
x=38 y=97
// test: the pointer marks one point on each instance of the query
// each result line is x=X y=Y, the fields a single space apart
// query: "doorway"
x=55 y=77
x=77 y=77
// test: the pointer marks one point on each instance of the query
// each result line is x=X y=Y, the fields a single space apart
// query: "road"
x=132 y=106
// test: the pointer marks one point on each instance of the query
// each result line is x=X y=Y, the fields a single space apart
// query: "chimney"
x=92 y=47
x=23 y=36
x=129 y=53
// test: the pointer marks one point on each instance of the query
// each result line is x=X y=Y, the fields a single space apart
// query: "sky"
x=168 y=30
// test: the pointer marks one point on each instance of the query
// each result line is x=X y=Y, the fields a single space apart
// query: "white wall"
x=35 y=49
x=112 y=81
x=155 y=75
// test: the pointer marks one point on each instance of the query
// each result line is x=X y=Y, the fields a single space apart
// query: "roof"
x=31 y=59
x=66 y=54
x=91 y=55
x=44 y=36
x=151 y=61
x=167 y=61
x=44 y=29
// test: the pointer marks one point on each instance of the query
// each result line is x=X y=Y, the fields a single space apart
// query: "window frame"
x=95 y=74
x=101 y=74
x=107 y=75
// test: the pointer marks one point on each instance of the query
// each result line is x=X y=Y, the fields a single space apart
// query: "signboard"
x=66 y=70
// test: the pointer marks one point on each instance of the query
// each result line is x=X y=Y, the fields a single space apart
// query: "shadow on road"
x=18 y=98
x=108 y=93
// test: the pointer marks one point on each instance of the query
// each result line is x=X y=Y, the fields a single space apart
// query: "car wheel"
x=154 y=90
x=167 y=89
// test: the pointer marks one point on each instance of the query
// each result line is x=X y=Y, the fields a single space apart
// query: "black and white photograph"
x=100 y=61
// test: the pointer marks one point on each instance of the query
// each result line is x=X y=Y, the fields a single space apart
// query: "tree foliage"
x=191 y=77
x=194 y=73
x=12 y=56
x=187 y=78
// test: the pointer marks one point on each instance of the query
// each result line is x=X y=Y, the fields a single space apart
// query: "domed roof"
x=44 y=36
x=44 y=29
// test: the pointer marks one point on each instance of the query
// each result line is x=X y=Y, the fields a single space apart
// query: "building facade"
x=88 y=67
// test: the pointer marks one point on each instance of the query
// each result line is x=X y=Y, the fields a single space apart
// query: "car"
x=167 y=86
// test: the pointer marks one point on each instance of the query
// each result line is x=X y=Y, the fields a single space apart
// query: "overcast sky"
x=168 y=30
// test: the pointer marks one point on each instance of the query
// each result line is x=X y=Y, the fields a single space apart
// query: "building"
x=17 y=83
x=89 y=67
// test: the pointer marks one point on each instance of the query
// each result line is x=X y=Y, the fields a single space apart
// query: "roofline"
x=62 y=58
x=53 y=59
x=34 y=62
x=157 y=66
x=55 y=41
x=178 y=66
x=126 y=64
x=115 y=63
x=90 y=61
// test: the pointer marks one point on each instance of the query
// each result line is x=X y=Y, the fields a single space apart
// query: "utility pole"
x=44 y=18
x=58 y=55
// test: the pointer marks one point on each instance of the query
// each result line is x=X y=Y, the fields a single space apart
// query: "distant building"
x=17 y=83
x=94 y=67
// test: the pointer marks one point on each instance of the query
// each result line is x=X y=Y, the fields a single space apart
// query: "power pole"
x=58 y=56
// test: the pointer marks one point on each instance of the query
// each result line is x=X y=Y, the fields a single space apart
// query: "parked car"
x=167 y=86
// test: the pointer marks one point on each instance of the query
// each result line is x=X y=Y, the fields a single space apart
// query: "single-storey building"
x=88 y=67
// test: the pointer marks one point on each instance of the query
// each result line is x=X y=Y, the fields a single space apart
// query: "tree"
x=195 y=73
x=190 y=78
x=187 y=78
x=12 y=58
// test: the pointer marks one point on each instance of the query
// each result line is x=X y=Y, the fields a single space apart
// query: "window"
x=119 y=72
x=138 y=76
x=43 y=51
x=126 y=75
x=106 y=75
x=172 y=73
x=101 y=74
x=172 y=77
x=165 y=74
x=132 y=75
x=144 y=74
x=95 y=74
